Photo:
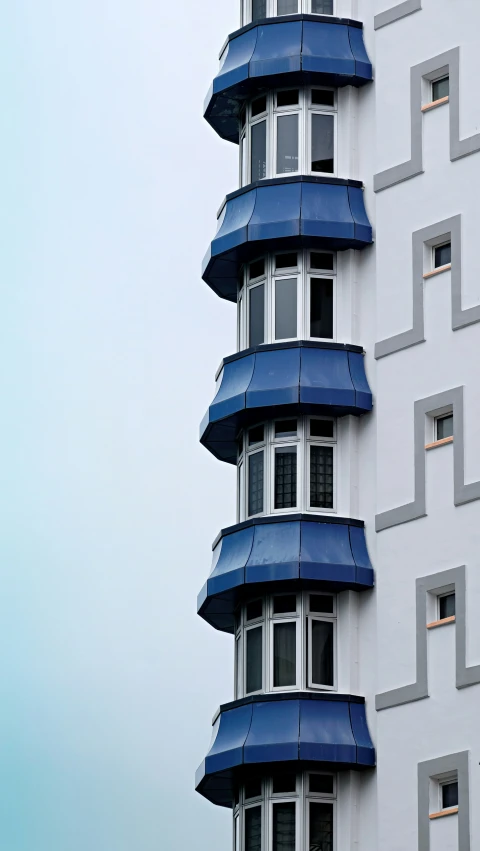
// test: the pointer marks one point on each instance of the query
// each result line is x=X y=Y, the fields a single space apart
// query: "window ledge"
x=434 y=103
x=450 y=812
x=438 y=271
x=436 y=443
x=434 y=624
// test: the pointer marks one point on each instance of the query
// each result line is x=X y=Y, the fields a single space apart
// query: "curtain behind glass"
x=284 y=654
x=285 y=308
x=287 y=144
x=285 y=477
x=284 y=827
x=322 y=7
x=321 y=827
x=255 y=483
x=322 y=653
x=253 y=829
x=254 y=660
x=321 y=476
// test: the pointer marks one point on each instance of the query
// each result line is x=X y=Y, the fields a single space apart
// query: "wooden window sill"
x=434 y=103
x=438 y=271
x=436 y=443
x=451 y=812
x=434 y=624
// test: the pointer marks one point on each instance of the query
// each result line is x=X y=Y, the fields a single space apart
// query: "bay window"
x=288 y=131
x=287 y=464
x=287 y=296
x=287 y=811
x=256 y=10
x=284 y=642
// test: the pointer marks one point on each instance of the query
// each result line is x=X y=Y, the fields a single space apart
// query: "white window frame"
x=445 y=781
x=437 y=420
x=304 y=273
x=434 y=248
x=304 y=7
x=304 y=109
x=302 y=618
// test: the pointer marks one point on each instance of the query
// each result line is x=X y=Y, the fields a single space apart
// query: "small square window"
x=284 y=604
x=444 y=427
x=257 y=269
x=255 y=435
x=322 y=7
x=321 y=604
x=253 y=789
x=321 y=428
x=446 y=606
x=442 y=255
x=284 y=783
x=440 y=88
x=320 y=784
x=288 y=98
x=321 y=260
x=254 y=610
x=286 y=261
x=286 y=428
x=259 y=105
x=323 y=97
x=449 y=795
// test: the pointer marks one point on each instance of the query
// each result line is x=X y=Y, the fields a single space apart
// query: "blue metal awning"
x=297 y=731
x=297 y=550
x=284 y=379
x=289 y=212
x=296 y=50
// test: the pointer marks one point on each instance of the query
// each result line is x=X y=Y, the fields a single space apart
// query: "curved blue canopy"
x=295 y=50
x=300 y=550
x=299 y=731
x=287 y=212
x=284 y=379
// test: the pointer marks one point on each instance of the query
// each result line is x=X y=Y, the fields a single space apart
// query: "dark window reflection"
x=322 y=143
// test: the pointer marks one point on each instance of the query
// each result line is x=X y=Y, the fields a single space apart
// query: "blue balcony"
x=293 y=51
x=284 y=379
x=284 y=213
x=301 y=731
x=297 y=551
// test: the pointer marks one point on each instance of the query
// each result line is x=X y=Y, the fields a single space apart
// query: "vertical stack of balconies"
x=286 y=752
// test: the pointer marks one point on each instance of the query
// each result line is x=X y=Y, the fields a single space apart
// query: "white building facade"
x=349 y=577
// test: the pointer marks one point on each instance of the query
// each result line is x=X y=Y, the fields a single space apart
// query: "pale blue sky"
x=109 y=343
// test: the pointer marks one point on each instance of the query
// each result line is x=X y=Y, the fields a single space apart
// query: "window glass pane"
x=322 y=784
x=321 y=603
x=322 y=653
x=259 y=150
x=238 y=668
x=322 y=7
x=290 y=97
x=283 y=826
x=253 y=829
x=259 y=105
x=443 y=255
x=449 y=795
x=323 y=97
x=285 y=308
x=284 y=603
x=253 y=789
x=285 y=428
x=321 y=308
x=257 y=269
x=322 y=143
x=320 y=826
x=286 y=477
x=286 y=261
x=321 y=260
x=253 y=680
x=284 y=654
x=287 y=7
x=255 y=435
x=243 y=161
x=321 y=428
x=447 y=606
x=284 y=783
x=321 y=476
x=445 y=427
x=440 y=88
x=237 y=833
x=255 y=483
x=254 y=610
x=256 y=315
x=287 y=144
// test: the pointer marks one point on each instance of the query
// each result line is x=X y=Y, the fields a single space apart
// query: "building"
x=349 y=409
